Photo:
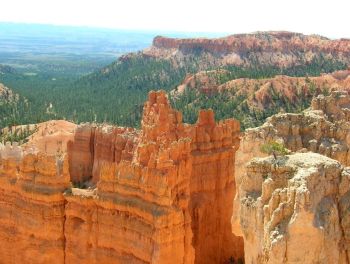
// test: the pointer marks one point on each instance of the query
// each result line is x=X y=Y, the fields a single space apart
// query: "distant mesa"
x=280 y=47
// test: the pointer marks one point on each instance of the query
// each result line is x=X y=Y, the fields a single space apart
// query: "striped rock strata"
x=159 y=195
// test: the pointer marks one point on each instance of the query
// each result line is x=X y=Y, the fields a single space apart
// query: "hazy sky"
x=329 y=18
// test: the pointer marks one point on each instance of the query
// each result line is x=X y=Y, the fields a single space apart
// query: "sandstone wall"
x=168 y=198
x=140 y=212
x=213 y=188
x=80 y=154
x=322 y=129
x=32 y=207
x=296 y=211
x=159 y=195
x=92 y=145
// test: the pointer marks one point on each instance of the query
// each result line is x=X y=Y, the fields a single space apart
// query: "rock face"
x=33 y=178
x=93 y=145
x=323 y=129
x=166 y=192
x=140 y=213
x=295 y=211
x=50 y=137
x=266 y=193
x=212 y=188
x=266 y=48
x=32 y=206
x=160 y=195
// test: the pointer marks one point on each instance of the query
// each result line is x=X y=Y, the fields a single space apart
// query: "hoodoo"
x=160 y=195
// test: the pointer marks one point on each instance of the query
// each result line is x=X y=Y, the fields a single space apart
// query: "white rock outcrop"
x=295 y=210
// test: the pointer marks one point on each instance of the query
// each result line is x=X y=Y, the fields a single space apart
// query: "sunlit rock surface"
x=295 y=210
x=166 y=195
x=163 y=194
x=279 y=48
x=32 y=206
x=323 y=129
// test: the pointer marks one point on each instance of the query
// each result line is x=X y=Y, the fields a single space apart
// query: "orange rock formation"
x=33 y=178
x=32 y=206
x=283 y=49
x=163 y=194
x=259 y=91
x=260 y=41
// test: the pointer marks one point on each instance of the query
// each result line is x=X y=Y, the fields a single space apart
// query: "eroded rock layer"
x=212 y=190
x=165 y=192
x=324 y=128
x=32 y=206
x=93 y=145
x=285 y=203
x=266 y=48
x=295 y=211
x=259 y=93
x=140 y=211
x=159 y=195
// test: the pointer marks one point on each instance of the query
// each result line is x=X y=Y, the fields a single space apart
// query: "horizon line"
x=170 y=31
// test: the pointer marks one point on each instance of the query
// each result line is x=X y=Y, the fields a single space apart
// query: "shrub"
x=274 y=148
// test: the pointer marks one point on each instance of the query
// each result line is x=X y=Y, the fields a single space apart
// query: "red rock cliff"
x=32 y=206
x=212 y=189
x=260 y=41
x=93 y=145
x=160 y=195
x=281 y=49
x=170 y=196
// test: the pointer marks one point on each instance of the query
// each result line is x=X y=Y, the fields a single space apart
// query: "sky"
x=328 y=18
